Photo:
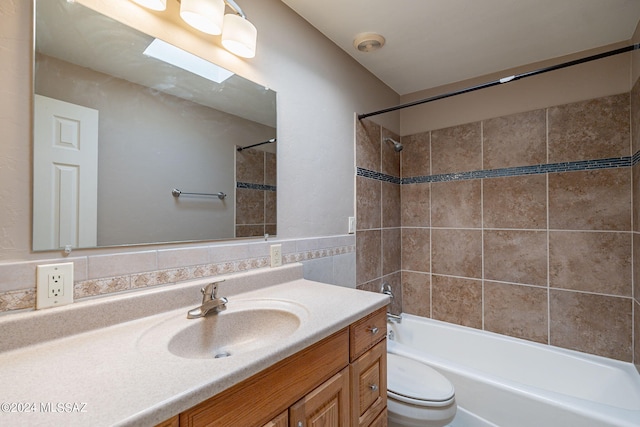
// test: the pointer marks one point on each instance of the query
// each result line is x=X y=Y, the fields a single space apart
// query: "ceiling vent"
x=368 y=42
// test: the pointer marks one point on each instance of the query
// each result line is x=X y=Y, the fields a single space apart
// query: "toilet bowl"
x=417 y=395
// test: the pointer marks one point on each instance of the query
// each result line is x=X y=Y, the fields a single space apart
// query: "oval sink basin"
x=228 y=333
x=243 y=327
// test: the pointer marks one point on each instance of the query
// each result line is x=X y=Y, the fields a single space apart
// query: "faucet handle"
x=211 y=289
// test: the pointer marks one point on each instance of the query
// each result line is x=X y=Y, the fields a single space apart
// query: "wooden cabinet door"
x=326 y=406
x=369 y=385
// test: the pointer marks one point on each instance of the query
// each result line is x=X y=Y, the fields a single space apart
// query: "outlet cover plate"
x=54 y=285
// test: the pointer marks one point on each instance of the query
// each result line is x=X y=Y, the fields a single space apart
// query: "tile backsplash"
x=521 y=225
x=96 y=275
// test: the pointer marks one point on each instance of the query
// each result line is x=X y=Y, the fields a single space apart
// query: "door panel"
x=65 y=174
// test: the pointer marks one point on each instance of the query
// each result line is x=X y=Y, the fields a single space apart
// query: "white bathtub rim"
x=613 y=416
x=618 y=416
x=626 y=366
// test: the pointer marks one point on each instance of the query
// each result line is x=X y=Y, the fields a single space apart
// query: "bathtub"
x=512 y=382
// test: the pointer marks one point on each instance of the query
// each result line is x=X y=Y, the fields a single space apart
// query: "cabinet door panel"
x=369 y=385
x=326 y=406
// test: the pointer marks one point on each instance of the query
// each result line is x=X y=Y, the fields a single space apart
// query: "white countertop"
x=120 y=373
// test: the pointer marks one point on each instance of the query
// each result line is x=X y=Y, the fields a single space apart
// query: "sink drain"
x=222 y=354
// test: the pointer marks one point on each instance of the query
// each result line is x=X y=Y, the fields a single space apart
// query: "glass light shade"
x=203 y=15
x=152 y=4
x=239 y=36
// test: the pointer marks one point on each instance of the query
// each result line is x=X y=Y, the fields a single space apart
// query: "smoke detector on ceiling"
x=368 y=42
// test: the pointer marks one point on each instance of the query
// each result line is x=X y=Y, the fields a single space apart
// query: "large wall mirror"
x=116 y=130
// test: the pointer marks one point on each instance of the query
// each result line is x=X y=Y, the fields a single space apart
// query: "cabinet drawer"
x=369 y=385
x=381 y=421
x=366 y=332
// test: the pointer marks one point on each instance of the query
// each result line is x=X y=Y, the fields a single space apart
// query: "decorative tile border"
x=250 y=186
x=614 y=162
x=18 y=300
x=103 y=286
x=378 y=176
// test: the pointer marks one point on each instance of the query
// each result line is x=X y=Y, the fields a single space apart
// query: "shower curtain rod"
x=503 y=80
x=255 y=145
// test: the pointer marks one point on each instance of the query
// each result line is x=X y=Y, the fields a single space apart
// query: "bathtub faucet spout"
x=386 y=289
x=397 y=318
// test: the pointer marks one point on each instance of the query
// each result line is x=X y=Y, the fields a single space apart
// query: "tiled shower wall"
x=256 y=196
x=520 y=225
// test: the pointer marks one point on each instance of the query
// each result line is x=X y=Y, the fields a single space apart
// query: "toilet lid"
x=411 y=381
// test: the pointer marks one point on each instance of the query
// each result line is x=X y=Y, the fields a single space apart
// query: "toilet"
x=417 y=395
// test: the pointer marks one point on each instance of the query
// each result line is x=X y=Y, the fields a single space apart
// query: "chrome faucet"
x=386 y=289
x=210 y=302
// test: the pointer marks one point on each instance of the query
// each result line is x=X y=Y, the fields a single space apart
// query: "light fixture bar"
x=233 y=5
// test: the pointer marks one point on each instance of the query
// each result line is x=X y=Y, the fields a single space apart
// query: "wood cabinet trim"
x=171 y=422
x=281 y=420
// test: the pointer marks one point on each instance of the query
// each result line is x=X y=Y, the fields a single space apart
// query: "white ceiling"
x=431 y=43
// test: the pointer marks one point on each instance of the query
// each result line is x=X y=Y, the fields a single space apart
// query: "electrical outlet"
x=276 y=255
x=54 y=285
x=352 y=224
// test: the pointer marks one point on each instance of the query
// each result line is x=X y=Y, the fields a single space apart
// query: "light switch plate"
x=352 y=224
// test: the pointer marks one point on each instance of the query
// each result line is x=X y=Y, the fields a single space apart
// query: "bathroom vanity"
x=285 y=352
x=339 y=381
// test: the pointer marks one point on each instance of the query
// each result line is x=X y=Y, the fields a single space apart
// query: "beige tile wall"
x=546 y=257
x=379 y=237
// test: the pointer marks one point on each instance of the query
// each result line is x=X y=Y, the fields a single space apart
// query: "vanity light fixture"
x=238 y=34
x=203 y=15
